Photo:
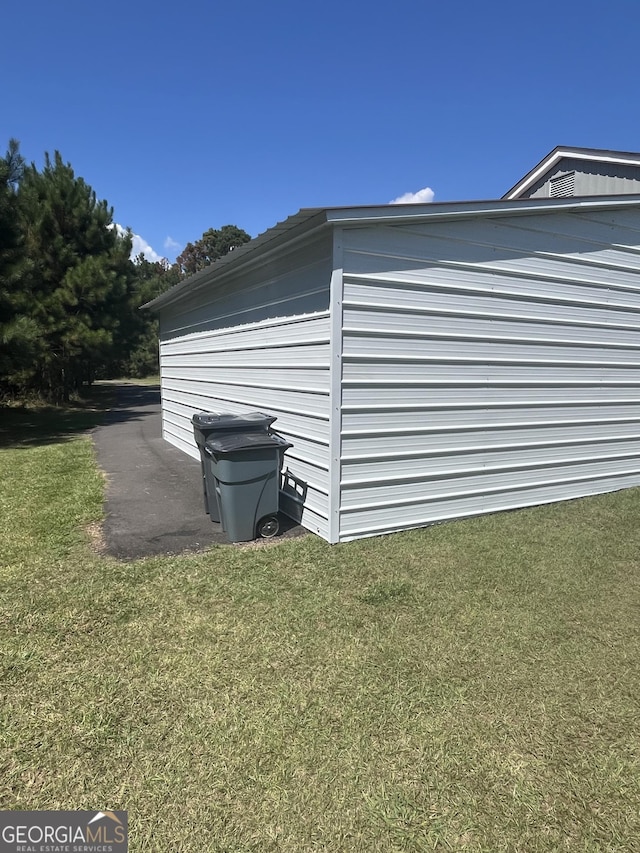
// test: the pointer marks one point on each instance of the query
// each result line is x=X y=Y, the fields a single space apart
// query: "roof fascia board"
x=467 y=210
x=558 y=154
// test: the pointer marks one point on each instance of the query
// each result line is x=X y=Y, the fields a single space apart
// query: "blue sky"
x=187 y=116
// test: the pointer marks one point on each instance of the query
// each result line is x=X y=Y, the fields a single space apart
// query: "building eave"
x=292 y=228
x=308 y=220
x=398 y=214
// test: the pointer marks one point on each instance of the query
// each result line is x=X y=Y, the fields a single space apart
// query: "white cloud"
x=423 y=196
x=139 y=245
x=171 y=245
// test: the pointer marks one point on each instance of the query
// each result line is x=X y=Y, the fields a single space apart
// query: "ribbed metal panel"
x=488 y=364
x=586 y=178
x=242 y=397
x=295 y=282
x=315 y=331
x=277 y=366
x=416 y=513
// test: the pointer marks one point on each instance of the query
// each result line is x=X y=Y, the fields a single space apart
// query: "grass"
x=472 y=686
x=147 y=380
x=39 y=423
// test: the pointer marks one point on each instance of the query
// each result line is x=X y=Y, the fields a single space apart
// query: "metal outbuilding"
x=427 y=362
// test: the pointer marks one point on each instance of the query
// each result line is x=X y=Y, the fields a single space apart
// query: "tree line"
x=69 y=292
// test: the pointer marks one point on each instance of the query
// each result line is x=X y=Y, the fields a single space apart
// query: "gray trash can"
x=246 y=467
x=210 y=424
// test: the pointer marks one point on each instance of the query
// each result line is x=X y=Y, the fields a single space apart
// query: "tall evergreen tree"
x=136 y=352
x=78 y=276
x=18 y=331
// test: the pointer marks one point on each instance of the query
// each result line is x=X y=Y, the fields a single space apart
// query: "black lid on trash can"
x=233 y=441
x=225 y=420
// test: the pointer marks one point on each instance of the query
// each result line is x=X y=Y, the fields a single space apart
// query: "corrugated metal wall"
x=287 y=283
x=244 y=346
x=591 y=178
x=488 y=364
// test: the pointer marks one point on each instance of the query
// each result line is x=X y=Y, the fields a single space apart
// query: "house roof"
x=307 y=220
x=548 y=163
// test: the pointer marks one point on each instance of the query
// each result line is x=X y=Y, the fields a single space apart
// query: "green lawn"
x=473 y=686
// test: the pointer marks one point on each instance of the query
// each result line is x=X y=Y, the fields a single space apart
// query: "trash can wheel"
x=268 y=526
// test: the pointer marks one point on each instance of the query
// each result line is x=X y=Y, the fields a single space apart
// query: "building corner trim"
x=335 y=386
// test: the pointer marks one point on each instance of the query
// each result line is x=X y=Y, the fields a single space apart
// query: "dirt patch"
x=96 y=537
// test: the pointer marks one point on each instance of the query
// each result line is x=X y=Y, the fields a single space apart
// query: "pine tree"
x=78 y=277
x=136 y=352
x=19 y=333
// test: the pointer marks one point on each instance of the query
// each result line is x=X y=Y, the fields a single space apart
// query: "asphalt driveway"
x=154 y=502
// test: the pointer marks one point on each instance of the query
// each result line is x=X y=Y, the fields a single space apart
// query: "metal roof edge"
x=470 y=209
x=627 y=158
x=294 y=226
x=307 y=220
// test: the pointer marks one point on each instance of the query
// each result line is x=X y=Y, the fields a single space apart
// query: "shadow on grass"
x=34 y=424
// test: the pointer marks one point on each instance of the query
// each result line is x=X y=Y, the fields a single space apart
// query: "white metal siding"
x=488 y=364
x=295 y=281
x=258 y=339
x=276 y=366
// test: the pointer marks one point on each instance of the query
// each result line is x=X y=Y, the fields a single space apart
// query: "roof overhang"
x=308 y=221
x=293 y=228
x=554 y=157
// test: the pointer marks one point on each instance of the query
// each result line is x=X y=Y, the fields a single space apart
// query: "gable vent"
x=562 y=186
